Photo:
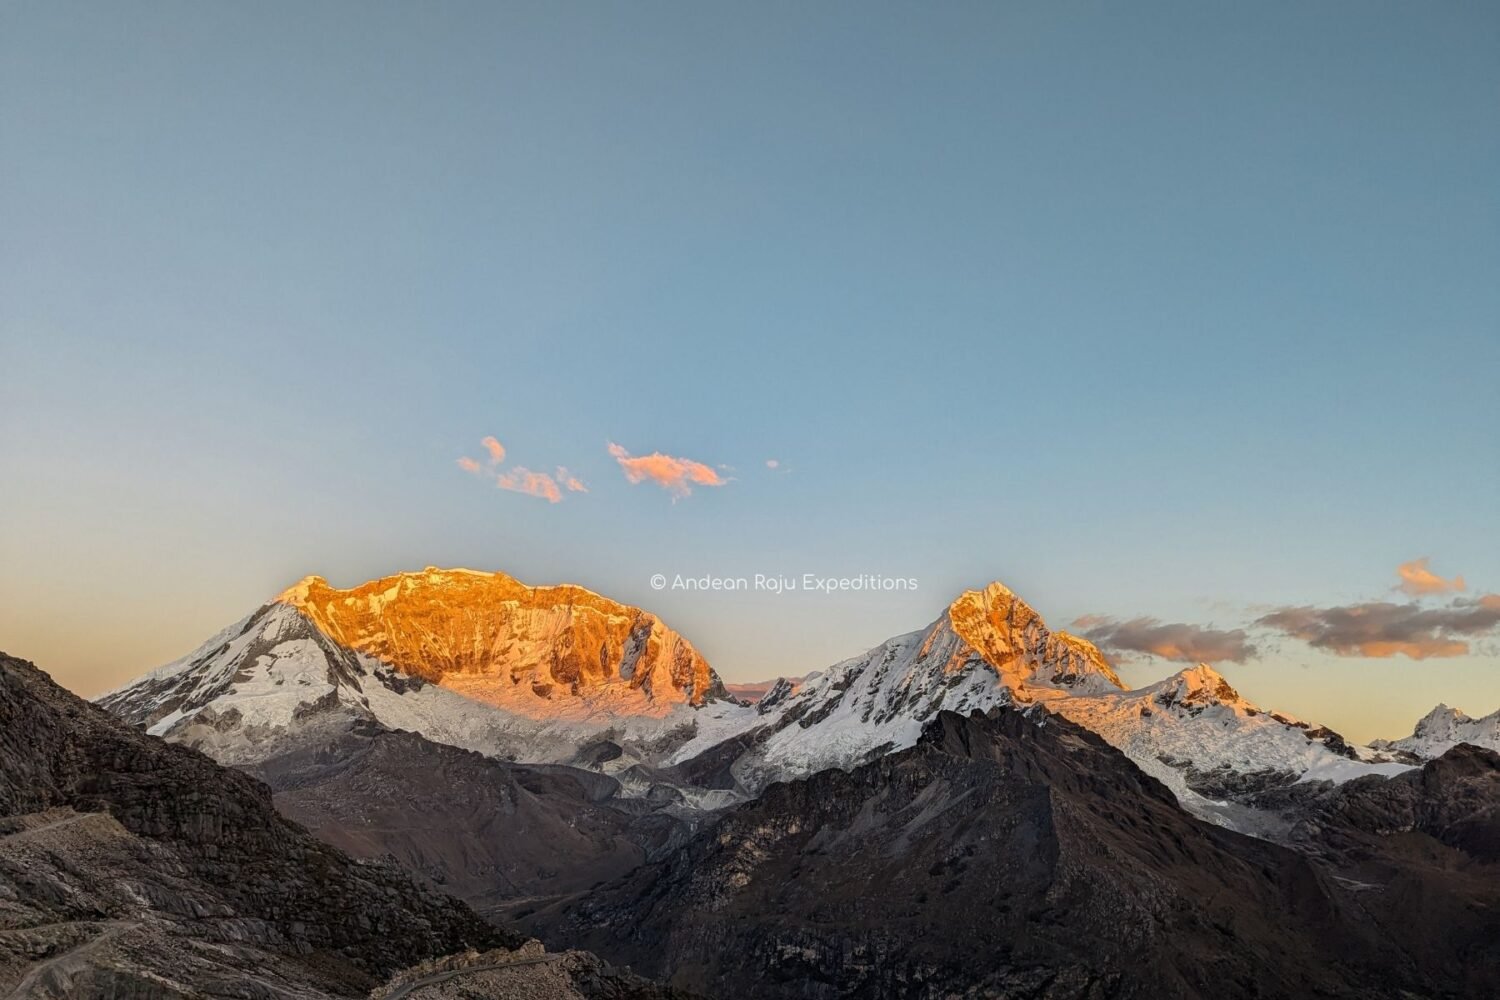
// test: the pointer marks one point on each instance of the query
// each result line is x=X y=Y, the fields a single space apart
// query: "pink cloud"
x=570 y=482
x=1417 y=579
x=772 y=463
x=535 y=484
x=495 y=448
x=677 y=476
x=468 y=464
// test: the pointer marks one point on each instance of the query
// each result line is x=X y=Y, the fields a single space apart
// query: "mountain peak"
x=1200 y=685
x=1443 y=728
x=296 y=595
x=1014 y=639
x=1442 y=713
x=466 y=624
x=992 y=595
x=450 y=639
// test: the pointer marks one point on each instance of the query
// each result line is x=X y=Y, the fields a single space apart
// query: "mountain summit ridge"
x=992 y=619
x=437 y=623
x=1444 y=728
x=474 y=659
x=990 y=649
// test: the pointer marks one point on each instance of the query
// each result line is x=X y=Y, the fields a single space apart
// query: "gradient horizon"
x=1166 y=311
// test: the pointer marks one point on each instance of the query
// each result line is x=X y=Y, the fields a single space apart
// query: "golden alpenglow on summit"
x=485 y=634
x=959 y=501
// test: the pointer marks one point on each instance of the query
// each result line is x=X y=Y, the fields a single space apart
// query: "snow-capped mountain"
x=476 y=660
x=1192 y=731
x=988 y=648
x=563 y=675
x=1207 y=743
x=1444 y=728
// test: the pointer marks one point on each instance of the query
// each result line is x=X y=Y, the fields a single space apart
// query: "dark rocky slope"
x=495 y=834
x=1010 y=855
x=117 y=844
x=1421 y=854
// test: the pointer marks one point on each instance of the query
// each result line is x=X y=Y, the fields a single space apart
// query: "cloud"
x=537 y=484
x=1169 y=640
x=496 y=450
x=772 y=463
x=677 y=476
x=1418 y=580
x=518 y=478
x=1383 y=629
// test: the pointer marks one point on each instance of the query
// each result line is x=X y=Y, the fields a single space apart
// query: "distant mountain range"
x=561 y=675
x=976 y=808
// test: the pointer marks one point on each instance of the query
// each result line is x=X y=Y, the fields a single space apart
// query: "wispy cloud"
x=677 y=476
x=1383 y=629
x=1176 y=641
x=536 y=484
x=496 y=450
x=518 y=478
x=772 y=463
x=1418 y=580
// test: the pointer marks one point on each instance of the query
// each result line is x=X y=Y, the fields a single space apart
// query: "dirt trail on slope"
x=443 y=977
x=58 y=971
x=27 y=834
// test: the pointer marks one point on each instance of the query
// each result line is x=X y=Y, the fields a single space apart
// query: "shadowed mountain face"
x=490 y=832
x=133 y=867
x=1420 y=853
x=1012 y=855
x=1452 y=802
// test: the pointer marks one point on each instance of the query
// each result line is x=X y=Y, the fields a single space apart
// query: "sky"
x=1181 y=319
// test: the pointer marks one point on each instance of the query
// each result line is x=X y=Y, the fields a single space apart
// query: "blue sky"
x=1180 y=310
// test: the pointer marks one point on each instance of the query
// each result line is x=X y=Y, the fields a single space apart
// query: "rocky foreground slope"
x=1019 y=855
x=129 y=865
x=133 y=869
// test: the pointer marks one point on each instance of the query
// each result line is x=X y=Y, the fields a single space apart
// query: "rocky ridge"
x=133 y=867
